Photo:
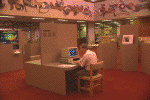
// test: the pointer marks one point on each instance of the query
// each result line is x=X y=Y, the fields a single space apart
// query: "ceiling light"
x=39 y=18
x=93 y=0
x=129 y=18
x=7 y=17
x=97 y=23
x=80 y=21
x=4 y=16
x=107 y=20
x=62 y=20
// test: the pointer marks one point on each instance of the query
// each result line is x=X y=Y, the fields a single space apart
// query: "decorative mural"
x=1 y=4
x=121 y=8
x=101 y=10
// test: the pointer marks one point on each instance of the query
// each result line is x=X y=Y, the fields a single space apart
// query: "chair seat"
x=93 y=77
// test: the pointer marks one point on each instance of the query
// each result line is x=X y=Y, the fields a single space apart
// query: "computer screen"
x=69 y=52
x=73 y=52
x=8 y=37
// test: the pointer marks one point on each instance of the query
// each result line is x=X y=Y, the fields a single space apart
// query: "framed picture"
x=127 y=39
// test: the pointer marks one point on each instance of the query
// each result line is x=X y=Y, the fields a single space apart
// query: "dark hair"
x=83 y=45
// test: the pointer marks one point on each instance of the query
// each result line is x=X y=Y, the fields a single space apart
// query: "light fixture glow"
x=107 y=20
x=129 y=18
x=7 y=17
x=97 y=23
x=4 y=16
x=39 y=18
x=62 y=20
x=80 y=21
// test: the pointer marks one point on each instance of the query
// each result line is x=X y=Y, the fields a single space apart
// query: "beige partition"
x=54 y=37
x=129 y=52
x=107 y=52
x=145 y=58
x=8 y=60
x=31 y=49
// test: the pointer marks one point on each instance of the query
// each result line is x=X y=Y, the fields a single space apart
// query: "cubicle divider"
x=107 y=52
x=129 y=52
x=54 y=37
x=48 y=73
x=10 y=60
x=145 y=58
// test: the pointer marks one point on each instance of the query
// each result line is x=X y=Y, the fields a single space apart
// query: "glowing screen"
x=73 y=52
x=8 y=37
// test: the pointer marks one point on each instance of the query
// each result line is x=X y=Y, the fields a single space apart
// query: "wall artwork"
x=2 y=5
x=8 y=37
x=127 y=39
x=100 y=9
x=121 y=8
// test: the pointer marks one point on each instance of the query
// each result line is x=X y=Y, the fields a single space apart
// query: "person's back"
x=90 y=58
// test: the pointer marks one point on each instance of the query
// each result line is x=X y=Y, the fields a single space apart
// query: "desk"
x=51 y=77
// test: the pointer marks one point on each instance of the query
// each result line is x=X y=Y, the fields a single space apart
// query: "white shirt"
x=88 y=58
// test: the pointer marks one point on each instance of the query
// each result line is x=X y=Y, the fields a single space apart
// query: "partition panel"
x=129 y=52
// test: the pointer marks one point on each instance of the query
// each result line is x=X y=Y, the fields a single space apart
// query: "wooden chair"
x=93 y=80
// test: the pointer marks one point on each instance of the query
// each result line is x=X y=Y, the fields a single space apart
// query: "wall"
x=8 y=60
x=144 y=26
x=54 y=37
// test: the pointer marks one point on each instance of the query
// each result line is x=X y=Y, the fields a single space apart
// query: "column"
x=91 y=34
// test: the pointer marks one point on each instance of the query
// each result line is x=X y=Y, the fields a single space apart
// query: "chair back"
x=97 y=66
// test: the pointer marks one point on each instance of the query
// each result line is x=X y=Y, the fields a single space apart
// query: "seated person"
x=88 y=58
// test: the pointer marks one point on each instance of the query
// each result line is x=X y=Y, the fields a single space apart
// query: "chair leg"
x=102 y=84
x=79 y=86
x=91 y=88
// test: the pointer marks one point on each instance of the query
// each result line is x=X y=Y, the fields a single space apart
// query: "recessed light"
x=62 y=20
x=107 y=20
x=4 y=16
x=97 y=23
x=80 y=21
x=7 y=16
x=39 y=18
x=129 y=18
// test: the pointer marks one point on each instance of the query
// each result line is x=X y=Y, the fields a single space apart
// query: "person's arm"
x=81 y=62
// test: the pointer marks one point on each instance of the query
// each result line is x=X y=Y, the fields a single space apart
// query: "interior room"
x=40 y=40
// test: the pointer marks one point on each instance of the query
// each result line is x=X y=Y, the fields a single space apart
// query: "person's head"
x=83 y=47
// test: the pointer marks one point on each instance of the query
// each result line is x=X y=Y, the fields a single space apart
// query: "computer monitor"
x=8 y=37
x=69 y=52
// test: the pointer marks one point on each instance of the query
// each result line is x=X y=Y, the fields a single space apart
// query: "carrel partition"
x=9 y=61
x=145 y=58
x=107 y=52
x=129 y=52
x=48 y=73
